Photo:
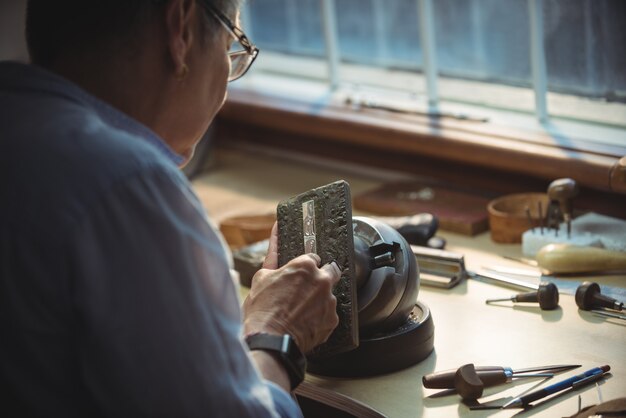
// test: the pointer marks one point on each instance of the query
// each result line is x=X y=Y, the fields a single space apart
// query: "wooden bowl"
x=240 y=231
x=508 y=219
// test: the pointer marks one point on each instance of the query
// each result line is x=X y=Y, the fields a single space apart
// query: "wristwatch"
x=288 y=353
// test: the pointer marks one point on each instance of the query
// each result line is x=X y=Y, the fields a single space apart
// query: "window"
x=553 y=58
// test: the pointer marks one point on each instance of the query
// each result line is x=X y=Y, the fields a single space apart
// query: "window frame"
x=539 y=153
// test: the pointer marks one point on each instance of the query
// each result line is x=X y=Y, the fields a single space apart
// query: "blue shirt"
x=116 y=297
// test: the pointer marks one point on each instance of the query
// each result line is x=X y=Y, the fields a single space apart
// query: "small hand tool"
x=516 y=271
x=502 y=279
x=573 y=382
x=470 y=385
x=567 y=258
x=608 y=314
x=563 y=191
x=540 y=214
x=467 y=382
x=547 y=295
x=553 y=217
x=492 y=375
x=529 y=217
x=589 y=296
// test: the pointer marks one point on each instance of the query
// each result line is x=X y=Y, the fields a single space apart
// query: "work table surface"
x=466 y=329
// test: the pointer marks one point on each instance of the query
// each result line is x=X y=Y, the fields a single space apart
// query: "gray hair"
x=227 y=7
x=55 y=28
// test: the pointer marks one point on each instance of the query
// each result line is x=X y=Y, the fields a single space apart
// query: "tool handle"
x=492 y=377
x=416 y=229
x=567 y=258
x=445 y=379
x=526 y=297
x=547 y=295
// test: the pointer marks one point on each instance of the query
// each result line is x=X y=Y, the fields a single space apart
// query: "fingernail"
x=335 y=267
x=318 y=259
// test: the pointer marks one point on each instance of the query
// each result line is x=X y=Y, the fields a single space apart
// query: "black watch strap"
x=287 y=350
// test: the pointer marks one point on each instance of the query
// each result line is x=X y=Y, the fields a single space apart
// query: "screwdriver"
x=492 y=375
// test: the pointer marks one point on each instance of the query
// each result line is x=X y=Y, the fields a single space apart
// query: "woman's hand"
x=296 y=299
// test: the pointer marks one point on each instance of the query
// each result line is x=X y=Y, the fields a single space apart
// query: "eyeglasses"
x=242 y=52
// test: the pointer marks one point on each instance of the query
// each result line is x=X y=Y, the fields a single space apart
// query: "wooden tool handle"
x=445 y=379
x=567 y=258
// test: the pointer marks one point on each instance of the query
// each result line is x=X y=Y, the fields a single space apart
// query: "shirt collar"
x=42 y=79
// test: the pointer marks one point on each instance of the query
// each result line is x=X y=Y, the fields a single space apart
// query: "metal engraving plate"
x=320 y=221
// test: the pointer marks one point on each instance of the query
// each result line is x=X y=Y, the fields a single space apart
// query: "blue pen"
x=587 y=376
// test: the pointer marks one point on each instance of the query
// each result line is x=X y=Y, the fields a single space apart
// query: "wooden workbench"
x=466 y=329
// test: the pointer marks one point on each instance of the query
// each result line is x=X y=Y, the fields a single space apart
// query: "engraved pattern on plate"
x=308 y=226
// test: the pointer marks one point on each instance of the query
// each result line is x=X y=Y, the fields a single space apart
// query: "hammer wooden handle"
x=567 y=258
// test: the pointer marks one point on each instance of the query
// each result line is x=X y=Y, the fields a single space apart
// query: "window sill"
x=324 y=116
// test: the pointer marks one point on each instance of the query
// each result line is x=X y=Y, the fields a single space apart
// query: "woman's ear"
x=180 y=16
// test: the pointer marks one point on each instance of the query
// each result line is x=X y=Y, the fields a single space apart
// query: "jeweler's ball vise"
x=387 y=277
x=382 y=327
x=395 y=330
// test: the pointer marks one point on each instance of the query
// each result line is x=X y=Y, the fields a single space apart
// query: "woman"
x=115 y=296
